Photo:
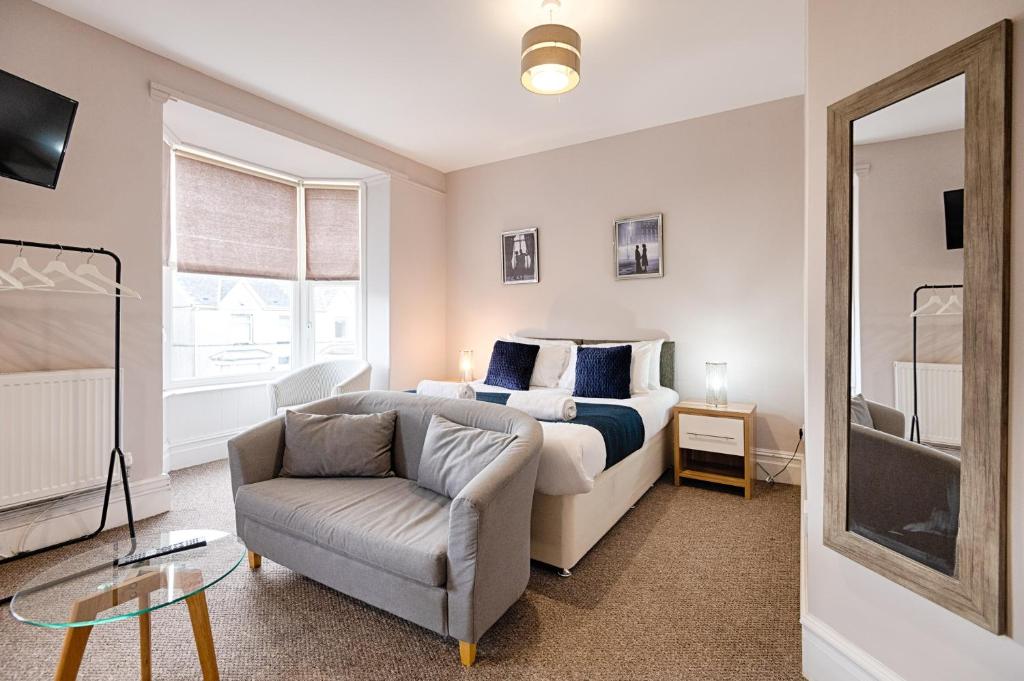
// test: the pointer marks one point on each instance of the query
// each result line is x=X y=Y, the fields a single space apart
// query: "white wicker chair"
x=318 y=381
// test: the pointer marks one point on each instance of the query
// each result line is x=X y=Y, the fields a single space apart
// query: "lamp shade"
x=550 y=63
x=716 y=384
x=466 y=366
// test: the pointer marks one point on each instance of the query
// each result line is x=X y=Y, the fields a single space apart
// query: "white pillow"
x=551 y=359
x=641 y=358
x=654 y=378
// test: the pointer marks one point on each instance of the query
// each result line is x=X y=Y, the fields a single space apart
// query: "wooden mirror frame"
x=977 y=589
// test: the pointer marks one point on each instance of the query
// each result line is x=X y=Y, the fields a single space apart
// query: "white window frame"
x=303 y=343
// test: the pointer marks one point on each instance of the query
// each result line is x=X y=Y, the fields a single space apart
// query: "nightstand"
x=714 y=444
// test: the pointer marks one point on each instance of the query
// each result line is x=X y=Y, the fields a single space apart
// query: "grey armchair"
x=902 y=494
x=451 y=565
x=318 y=381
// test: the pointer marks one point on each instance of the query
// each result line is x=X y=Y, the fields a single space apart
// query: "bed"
x=578 y=497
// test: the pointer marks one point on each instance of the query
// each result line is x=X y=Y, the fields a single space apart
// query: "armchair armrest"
x=489 y=539
x=256 y=454
x=357 y=382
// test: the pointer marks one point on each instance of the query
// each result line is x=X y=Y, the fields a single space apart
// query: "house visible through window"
x=242 y=305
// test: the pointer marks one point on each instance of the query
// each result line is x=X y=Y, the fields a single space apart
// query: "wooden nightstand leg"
x=72 y=652
x=200 y=616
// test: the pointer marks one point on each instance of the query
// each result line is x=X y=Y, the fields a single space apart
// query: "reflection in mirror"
x=907 y=326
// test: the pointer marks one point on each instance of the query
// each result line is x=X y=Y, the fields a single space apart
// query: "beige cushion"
x=338 y=445
x=454 y=454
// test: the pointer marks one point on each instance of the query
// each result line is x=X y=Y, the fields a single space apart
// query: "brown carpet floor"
x=692 y=584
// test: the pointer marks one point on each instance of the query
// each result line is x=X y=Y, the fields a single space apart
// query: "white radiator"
x=939 y=399
x=56 y=433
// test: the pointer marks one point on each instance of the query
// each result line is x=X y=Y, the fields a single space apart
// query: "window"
x=264 y=274
x=334 y=315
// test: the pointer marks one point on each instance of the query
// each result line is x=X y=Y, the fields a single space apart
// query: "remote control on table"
x=160 y=551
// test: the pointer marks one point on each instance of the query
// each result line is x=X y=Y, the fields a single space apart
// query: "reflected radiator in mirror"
x=939 y=403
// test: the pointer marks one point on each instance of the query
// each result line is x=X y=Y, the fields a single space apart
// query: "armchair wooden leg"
x=255 y=560
x=467 y=651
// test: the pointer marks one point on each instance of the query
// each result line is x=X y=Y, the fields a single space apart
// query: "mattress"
x=573 y=455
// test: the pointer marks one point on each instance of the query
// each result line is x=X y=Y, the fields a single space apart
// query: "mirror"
x=917 y=310
x=906 y=325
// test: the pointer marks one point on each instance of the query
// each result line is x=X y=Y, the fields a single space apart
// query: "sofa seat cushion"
x=390 y=523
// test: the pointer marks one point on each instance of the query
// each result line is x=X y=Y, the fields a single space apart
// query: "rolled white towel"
x=456 y=391
x=543 y=405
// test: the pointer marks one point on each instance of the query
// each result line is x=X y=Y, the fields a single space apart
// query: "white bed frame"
x=565 y=527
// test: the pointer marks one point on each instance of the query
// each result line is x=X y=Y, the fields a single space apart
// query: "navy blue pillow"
x=603 y=372
x=512 y=365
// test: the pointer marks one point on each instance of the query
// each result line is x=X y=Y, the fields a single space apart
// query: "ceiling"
x=938 y=109
x=438 y=81
x=198 y=127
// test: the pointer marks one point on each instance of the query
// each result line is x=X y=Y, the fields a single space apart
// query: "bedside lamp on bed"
x=466 y=366
x=715 y=384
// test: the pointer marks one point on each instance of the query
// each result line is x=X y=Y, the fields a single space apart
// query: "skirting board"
x=197 y=451
x=773 y=460
x=51 y=522
x=827 y=656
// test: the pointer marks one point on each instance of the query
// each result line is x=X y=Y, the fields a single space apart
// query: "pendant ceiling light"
x=551 y=56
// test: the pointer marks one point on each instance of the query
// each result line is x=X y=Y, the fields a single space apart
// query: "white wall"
x=110 y=195
x=850 y=46
x=729 y=186
x=903 y=245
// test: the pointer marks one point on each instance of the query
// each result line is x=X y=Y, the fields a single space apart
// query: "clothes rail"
x=915 y=421
x=116 y=454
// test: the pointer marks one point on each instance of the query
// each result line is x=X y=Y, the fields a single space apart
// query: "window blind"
x=233 y=223
x=332 y=234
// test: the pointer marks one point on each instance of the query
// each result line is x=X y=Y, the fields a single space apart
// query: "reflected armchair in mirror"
x=902 y=495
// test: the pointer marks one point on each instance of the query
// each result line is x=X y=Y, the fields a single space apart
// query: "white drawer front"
x=711 y=434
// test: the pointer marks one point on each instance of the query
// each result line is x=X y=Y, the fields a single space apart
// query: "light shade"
x=466 y=366
x=550 y=63
x=716 y=384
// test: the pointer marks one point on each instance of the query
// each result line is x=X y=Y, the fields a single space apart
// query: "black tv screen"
x=954 y=201
x=35 y=124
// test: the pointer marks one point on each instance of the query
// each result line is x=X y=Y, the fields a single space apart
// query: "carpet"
x=693 y=583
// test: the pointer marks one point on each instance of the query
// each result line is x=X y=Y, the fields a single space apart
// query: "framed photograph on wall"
x=638 y=248
x=520 y=257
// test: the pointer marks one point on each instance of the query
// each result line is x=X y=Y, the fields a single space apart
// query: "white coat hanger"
x=60 y=268
x=87 y=269
x=953 y=306
x=20 y=264
x=929 y=308
x=9 y=282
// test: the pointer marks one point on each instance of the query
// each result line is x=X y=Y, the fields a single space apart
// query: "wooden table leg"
x=203 y=633
x=71 y=654
x=145 y=641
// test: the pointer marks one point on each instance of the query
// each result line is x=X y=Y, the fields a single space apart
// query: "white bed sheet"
x=574 y=454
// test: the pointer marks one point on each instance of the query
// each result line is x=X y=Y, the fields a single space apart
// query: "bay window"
x=264 y=273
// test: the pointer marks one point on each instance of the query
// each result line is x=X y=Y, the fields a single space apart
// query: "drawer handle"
x=717 y=437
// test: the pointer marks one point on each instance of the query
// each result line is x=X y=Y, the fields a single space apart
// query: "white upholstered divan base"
x=565 y=527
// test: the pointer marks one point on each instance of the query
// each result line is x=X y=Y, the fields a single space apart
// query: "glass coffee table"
x=91 y=589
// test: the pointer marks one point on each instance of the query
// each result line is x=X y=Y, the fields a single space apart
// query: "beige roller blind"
x=233 y=223
x=332 y=234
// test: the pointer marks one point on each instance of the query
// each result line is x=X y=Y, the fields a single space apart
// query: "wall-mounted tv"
x=35 y=125
x=954 y=202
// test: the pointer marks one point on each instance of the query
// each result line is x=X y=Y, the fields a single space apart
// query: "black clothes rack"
x=915 y=421
x=116 y=454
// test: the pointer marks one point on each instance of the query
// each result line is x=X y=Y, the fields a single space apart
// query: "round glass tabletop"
x=91 y=588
